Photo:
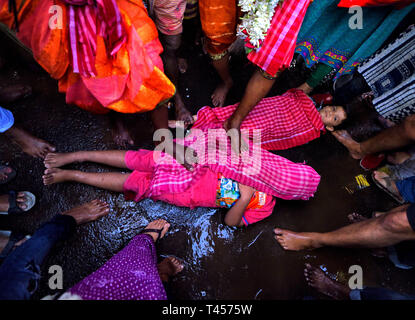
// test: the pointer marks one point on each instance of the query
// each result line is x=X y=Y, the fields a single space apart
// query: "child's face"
x=332 y=116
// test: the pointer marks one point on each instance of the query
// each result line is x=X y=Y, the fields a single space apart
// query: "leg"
x=114 y=158
x=23 y=264
x=121 y=134
x=383 y=231
x=221 y=66
x=112 y=181
x=171 y=43
x=29 y=144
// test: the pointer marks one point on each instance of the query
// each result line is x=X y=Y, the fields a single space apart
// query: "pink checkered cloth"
x=278 y=47
x=264 y=172
x=285 y=121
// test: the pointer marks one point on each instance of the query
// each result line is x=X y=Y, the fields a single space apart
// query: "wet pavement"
x=220 y=262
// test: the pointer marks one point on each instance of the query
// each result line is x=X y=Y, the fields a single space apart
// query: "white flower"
x=256 y=20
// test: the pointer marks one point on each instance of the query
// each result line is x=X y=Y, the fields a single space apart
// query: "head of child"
x=333 y=116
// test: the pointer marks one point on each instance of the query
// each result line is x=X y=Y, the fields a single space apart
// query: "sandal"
x=13 y=206
x=394 y=196
x=9 y=176
x=371 y=161
x=158 y=231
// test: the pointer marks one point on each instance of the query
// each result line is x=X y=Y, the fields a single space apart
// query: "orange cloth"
x=131 y=82
x=219 y=19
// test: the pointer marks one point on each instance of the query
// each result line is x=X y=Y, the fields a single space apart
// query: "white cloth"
x=6 y=119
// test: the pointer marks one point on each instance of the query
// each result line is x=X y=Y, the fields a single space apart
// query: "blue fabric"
x=21 y=269
x=6 y=120
x=406 y=188
x=325 y=35
x=369 y=293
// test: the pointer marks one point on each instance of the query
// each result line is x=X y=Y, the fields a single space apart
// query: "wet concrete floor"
x=220 y=262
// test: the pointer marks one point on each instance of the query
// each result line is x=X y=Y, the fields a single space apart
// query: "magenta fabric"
x=129 y=275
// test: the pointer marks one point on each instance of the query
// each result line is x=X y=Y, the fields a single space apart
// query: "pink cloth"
x=265 y=172
x=200 y=194
x=285 y=121
x=87 y=19
x=278 y=47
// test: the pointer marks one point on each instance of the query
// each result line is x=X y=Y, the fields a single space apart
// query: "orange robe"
x=131 y=82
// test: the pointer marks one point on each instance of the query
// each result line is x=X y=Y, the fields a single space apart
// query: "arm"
x=234 y=215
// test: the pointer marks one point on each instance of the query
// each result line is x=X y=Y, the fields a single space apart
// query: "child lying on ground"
x=211 y=190
x=285 y=121
x=204 y=187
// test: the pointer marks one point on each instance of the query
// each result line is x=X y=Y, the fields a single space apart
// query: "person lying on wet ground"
x=245 y=204
x=29 y=144
x=285 y=121
x=206 y=186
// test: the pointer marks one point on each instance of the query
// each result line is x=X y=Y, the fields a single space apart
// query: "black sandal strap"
x=158 y=231
x=13 y=207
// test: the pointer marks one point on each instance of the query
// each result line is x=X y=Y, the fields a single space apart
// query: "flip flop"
x=371 y=161
x=394 y=196
x=158 y=231
x=9 y=176
x=14 y=208
x=14 y=237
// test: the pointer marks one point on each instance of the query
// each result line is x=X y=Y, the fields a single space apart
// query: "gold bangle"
x=218 y=56
x=267 y=75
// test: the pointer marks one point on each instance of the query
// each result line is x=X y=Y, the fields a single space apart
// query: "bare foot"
x=14 y=92
x=398 y=157
x=88 y=212
x=294 y=241
x=182 y=114
x=30 y=144
x=305 y=88
x=220 y=93
x=180 y=124
x=56 y=160
x=353 y=146
x=182 y=65
x=384 y=180
x=318 y=280
x=5 y=172
x=355 y=217
x=121 y=135
x=54 y=175
x=169 y=267
x=21 y=200
x=159 y=224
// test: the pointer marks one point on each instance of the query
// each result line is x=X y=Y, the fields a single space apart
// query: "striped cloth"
x=87 y=19
x=263 y=171
x=390 y=74
x=285 y=121
x=278 y=47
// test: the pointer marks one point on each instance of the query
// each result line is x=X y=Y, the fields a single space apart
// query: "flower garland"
x=256 y=21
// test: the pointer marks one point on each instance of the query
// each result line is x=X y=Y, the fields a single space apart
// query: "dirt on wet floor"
x=220 y=262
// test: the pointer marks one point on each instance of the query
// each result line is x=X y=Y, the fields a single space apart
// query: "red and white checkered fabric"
x=285 y=121
x=278 y=47
x=264 y=171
